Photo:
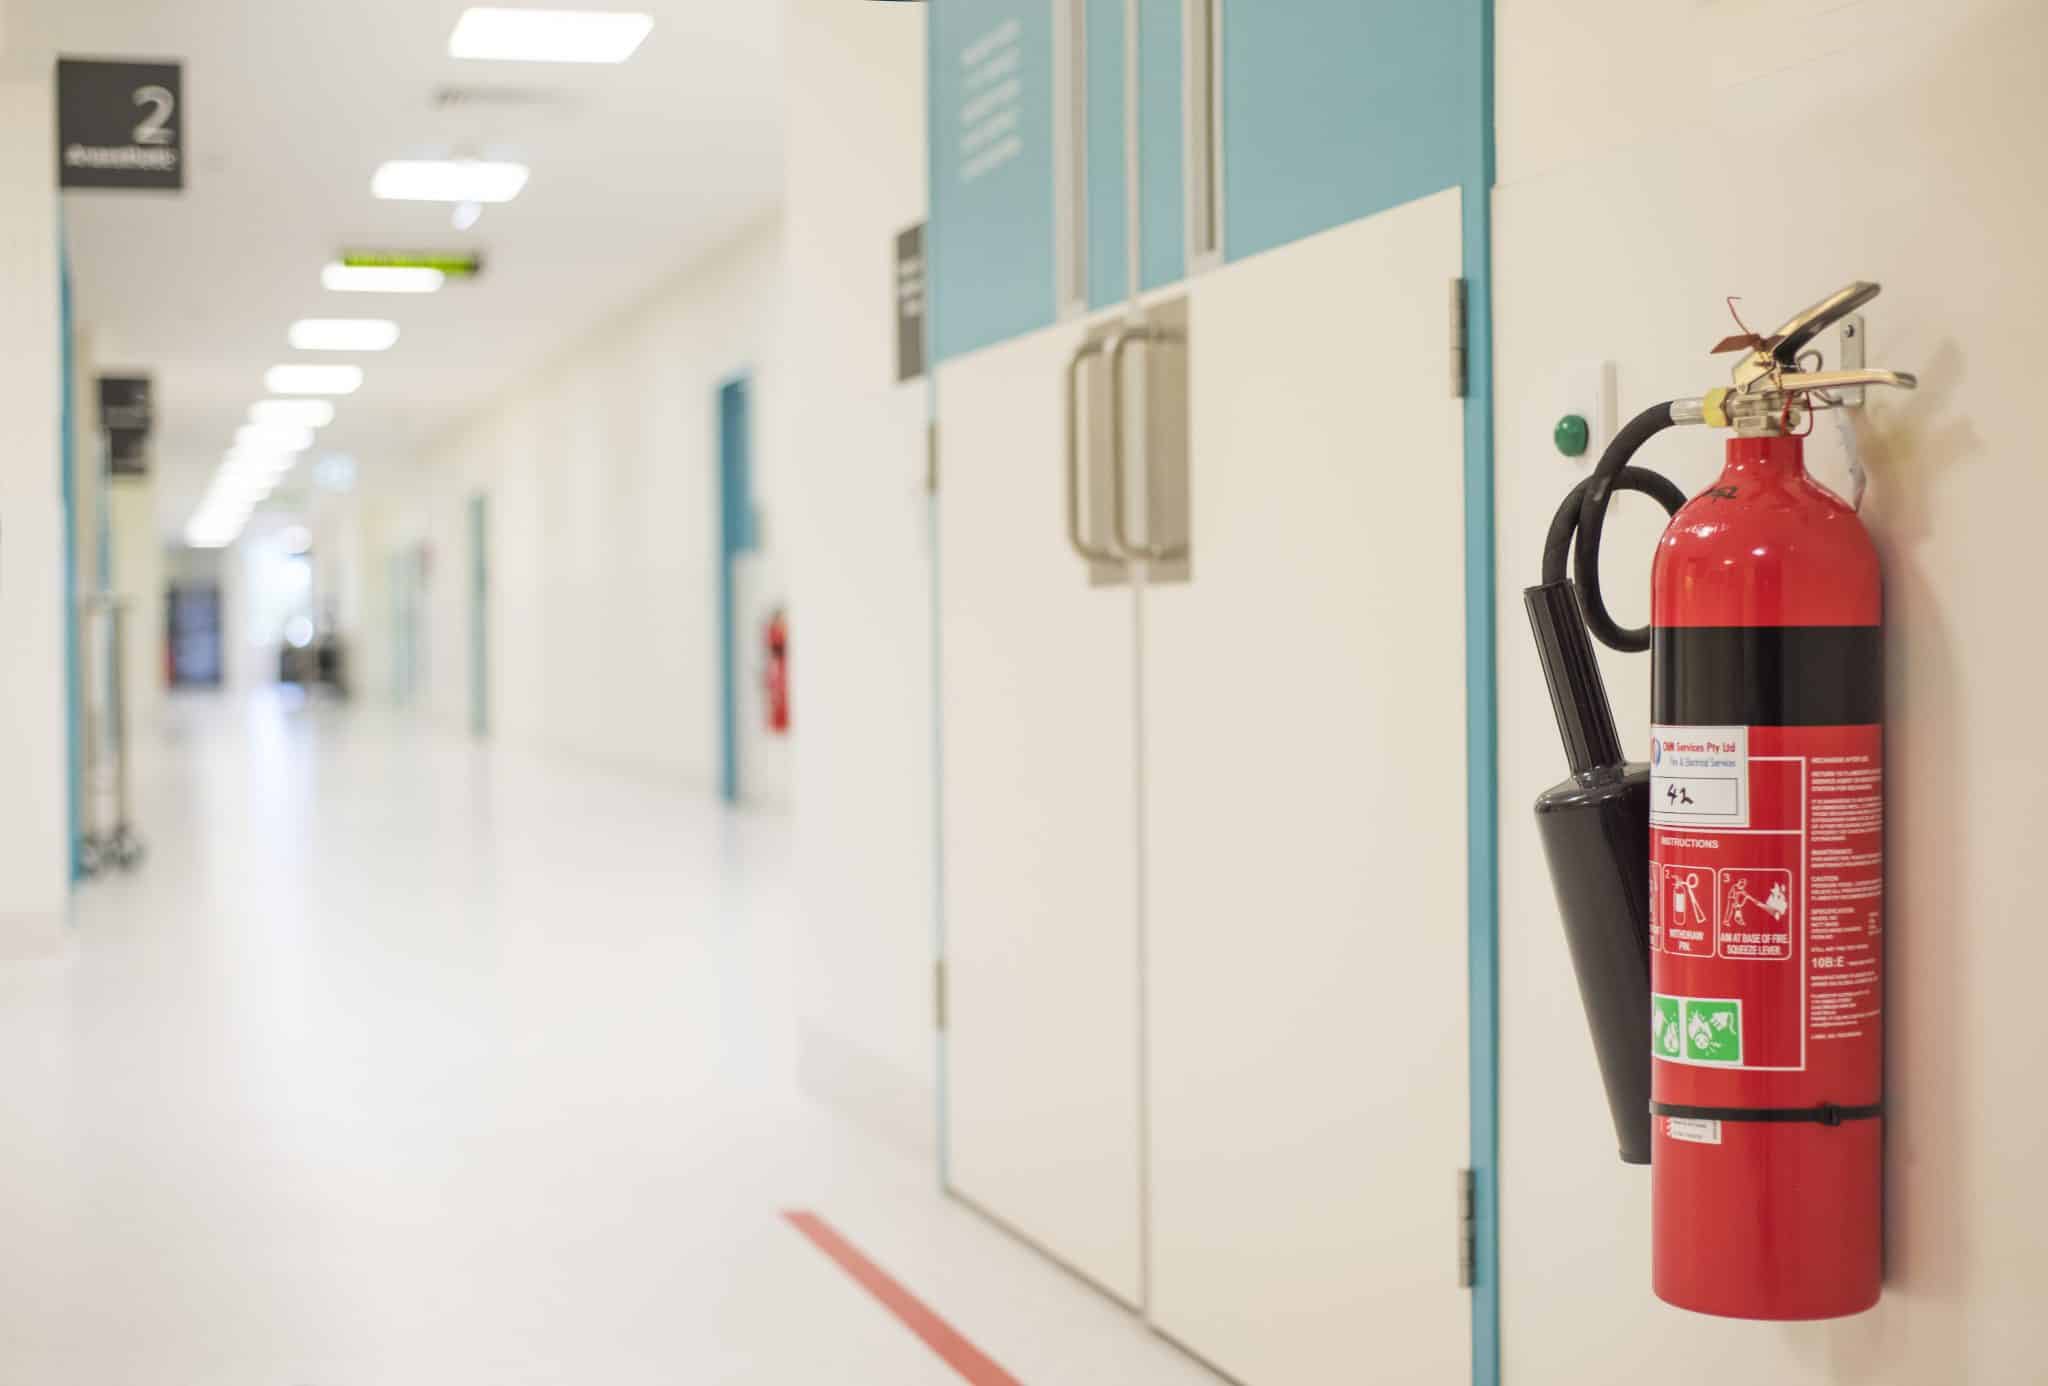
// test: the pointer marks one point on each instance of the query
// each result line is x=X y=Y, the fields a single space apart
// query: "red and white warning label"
x=1767 y=886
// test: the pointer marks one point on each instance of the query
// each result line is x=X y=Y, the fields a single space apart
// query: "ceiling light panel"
x=343 y=334
x=547 y=36
x=313 y=380
x=269 y=440
x=381 y=279
x=292 y=413
x=448 y=180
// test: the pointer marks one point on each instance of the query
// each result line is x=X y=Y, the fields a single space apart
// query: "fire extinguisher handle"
x=1780 y=351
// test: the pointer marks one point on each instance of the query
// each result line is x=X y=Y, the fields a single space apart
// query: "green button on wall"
x=1571 y=435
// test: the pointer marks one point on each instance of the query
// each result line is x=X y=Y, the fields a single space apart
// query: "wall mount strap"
x=1824 y=1113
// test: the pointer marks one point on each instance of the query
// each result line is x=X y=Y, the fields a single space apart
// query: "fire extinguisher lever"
x=1770 y=357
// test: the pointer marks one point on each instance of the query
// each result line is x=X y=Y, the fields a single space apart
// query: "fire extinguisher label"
x=1699 y=775
x=1692 y=1129
x=1766 y=931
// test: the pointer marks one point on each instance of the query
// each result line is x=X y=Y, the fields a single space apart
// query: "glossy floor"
x=402 y=1061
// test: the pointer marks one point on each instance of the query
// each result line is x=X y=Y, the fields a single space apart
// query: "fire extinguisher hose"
x=1575 y=529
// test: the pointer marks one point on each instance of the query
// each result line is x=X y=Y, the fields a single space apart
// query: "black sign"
x=124 y=402
x=910 y=297
x=120 y=125
x=126 y=418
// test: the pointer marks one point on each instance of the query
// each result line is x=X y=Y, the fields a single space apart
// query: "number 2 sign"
x=120 y=125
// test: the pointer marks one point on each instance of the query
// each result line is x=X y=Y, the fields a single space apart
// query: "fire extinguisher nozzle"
x=1595 y=828
x=1585 y=719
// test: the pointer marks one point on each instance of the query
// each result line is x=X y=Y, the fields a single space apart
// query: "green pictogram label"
x=1713 y=1032
x=1666 y=1037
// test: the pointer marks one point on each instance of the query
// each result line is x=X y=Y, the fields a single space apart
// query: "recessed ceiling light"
x=343 y=334
x=548 y=36
x=295 y=413
x=382 y=279
x=313 y=380
x=448 y=180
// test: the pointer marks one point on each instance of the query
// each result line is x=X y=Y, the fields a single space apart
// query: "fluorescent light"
x=547 y=36
x=382 y=279
x=273 y=438
x=293 y=413
x=241 y=462
x=343 y=334
x=313 y=380
x=448 y=180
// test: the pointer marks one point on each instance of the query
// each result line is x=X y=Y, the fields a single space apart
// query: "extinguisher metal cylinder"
x=1766 y=848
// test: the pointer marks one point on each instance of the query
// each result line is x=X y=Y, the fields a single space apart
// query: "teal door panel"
x=1336 y=109
x=991 y=145
x=736 y=537
x=1163 y=248
x=479 y=616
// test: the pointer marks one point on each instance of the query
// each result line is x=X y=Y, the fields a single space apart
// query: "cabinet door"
x=1162 y=137
x=993 y=136
x=1336 y=109
x=1304 y=726
x=1037 y=663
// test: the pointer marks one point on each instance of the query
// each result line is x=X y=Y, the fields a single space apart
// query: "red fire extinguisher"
x=1725 y=899
x=775 y=672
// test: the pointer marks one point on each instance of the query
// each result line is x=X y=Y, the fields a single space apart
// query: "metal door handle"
x=1119 y=342
x=1088 y=553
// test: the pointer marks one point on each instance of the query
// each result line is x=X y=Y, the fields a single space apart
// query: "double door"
x=1204 y=852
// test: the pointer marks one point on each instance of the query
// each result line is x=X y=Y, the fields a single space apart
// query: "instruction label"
x=1768 y=880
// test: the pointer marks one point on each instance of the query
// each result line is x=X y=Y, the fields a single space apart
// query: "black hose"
x=1584 y=513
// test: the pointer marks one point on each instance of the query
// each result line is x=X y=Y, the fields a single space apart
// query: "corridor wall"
x=34 y=848
x=861 y=649
x=601 y=471
x=1652 y=160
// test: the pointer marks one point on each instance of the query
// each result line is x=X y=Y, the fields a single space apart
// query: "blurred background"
x=618 y=623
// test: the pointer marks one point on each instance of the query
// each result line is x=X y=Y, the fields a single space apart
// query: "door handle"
x=1088 y=552
x=1119 y=343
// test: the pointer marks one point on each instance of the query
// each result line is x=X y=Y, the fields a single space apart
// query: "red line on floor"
x=971 y=1362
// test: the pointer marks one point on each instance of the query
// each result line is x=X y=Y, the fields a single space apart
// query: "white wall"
x=602 y=473
x=34 y=853
x=861 y=638
x=1655 y=158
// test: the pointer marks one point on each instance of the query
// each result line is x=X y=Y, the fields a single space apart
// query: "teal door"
x=479 y=616
x=736 y=536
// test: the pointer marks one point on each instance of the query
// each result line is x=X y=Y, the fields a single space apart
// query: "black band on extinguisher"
x=1825 y=1113
x=1767 y=676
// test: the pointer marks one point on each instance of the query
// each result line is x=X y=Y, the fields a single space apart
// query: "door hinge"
x=939 y=994
x=1468 y=1231
x=931 y=458
x=1459 y=339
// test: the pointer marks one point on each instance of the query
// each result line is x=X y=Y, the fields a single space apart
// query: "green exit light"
x=454 y=266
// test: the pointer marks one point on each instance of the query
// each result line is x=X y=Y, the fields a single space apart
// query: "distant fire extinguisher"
x=1723 y=902
x=775 y=672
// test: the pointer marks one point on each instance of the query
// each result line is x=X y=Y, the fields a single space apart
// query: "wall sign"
x=120 y=125
x=126 y=418
x=910 y=299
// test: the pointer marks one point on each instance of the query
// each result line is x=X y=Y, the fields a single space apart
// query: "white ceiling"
x=290 y=104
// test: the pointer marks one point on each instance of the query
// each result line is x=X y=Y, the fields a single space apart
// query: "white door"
x=1305 y=823
x=1037 y=670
